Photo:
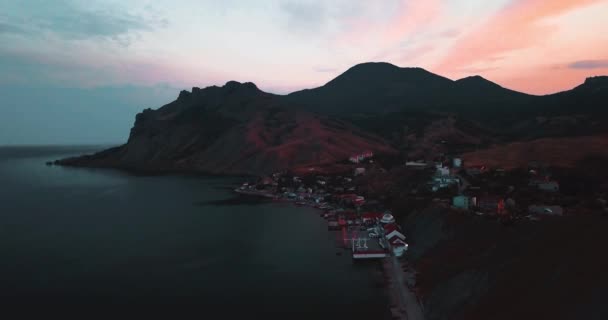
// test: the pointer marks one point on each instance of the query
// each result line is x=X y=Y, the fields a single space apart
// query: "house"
x=535 y=181
x=456 y=162
x=371 y=216
x=387 y=218
x=359 y=201
x=547 y=210
x=461 y=202
x=443 y=171
x=266 y=181
x=361 y=157
x=443 y=182
x=475 y=170
x=392 y=232
x=395 y=234
x=551 y=186
x=491 y=204
x=416 y=164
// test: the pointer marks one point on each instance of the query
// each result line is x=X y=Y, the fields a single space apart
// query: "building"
x=371 y=216
x=443 y=182
x=443 y=171
x=457 y=162
x=551 y=186
x=491 y=204
x=547 y=210
x=387 y=218
x=392 y=231
x=475 y=170
x=359 y=201
x=395 y=234
x=361 y=157
x=416 y=164
x=461 y=202
x=359 y=171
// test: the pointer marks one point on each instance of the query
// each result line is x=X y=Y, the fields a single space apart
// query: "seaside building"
x=461 y=202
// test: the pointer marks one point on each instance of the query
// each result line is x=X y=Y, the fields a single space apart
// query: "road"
x=407 y=302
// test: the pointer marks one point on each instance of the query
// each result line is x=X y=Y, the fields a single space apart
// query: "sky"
x=112 y=58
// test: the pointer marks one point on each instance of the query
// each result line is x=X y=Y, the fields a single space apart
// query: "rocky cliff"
x=234 y=129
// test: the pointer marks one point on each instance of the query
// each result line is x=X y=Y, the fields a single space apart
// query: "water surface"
x=73 y=237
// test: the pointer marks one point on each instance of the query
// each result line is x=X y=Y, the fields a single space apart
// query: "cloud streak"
x=71 y=21
x=589 y=64
x=518 y=26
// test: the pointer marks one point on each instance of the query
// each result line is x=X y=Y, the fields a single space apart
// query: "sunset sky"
x=532 y=46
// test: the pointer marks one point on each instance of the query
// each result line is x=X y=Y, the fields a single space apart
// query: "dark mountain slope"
x=237 y=128
x=372 y=87
x=591 y=97
x=376 y=88
x=234 y=129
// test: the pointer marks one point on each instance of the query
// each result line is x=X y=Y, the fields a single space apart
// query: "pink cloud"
x=413 y=16
x=410 y=17
x=515 y=27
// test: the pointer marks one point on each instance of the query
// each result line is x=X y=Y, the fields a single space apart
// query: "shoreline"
x=399 y=277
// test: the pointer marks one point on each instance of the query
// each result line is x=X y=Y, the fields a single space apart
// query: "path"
x=405 y=301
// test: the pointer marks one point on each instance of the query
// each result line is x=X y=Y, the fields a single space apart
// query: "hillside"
x=237 y=128
x=470 y=267
x=561 y=152
x=377 y=88
x=234 y=129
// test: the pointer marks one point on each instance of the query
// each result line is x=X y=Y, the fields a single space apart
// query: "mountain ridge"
x=239 y=129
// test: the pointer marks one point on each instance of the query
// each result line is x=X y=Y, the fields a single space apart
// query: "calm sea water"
x=107 y=240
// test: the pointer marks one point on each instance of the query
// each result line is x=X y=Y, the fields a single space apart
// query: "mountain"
x=239 y=129
x=375 y=88
x=589 y=97
x=233 y=129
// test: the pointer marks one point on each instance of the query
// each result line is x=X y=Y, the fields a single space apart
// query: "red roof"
x=349 y=195
x=372 y=215
x=395 y=234
x=397 y=242
x=390 y=227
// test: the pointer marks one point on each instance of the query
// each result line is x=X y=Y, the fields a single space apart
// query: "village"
x=366 y=225
x=531 y=193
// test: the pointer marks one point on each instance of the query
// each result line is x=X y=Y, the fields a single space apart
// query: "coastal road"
x=407 y=297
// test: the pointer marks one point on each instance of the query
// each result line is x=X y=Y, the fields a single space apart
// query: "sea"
x=90 y=241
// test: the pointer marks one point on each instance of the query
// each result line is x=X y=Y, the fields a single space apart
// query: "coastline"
x=399 y=276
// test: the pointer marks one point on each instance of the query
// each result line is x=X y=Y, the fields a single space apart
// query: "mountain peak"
x=369 y=65
x=238 y=85
x=598 y=80
x=477 y=81
x=379 y=67
x=375 y=74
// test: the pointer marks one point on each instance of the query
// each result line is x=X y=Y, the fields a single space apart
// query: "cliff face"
x=234 y=129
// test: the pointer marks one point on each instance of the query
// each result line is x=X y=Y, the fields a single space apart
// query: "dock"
x=363 y=246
